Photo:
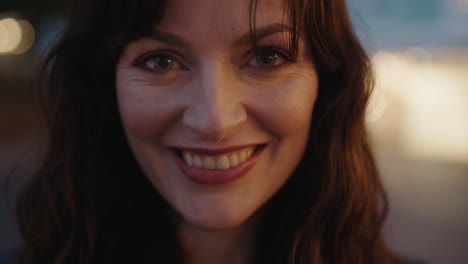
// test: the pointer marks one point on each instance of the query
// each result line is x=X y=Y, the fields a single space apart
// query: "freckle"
x=232 y=29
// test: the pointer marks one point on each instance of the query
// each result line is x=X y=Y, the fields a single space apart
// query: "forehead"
x=219 y=17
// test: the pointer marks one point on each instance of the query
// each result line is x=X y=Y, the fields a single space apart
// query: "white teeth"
x=221 y=162
x=197 y=162
x=209 y=163
x=242 y=156
x=234 y=160
x=188 y=159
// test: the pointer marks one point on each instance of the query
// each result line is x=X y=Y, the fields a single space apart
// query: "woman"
x=206 y=132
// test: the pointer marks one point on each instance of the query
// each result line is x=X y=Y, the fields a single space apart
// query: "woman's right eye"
x=159 y=62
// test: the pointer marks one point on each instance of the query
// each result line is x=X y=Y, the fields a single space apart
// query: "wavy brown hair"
x=89 y=202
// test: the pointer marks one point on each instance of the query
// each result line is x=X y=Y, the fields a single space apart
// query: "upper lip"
x=218 y=151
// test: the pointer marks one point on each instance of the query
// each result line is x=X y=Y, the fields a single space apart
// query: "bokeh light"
x=429 y=103
x=10 y=33
x=16 y=37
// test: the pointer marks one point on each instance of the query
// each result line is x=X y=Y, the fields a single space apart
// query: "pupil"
x=267 y=59
x=163 y=62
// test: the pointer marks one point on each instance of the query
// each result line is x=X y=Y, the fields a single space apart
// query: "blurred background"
x=418 y=117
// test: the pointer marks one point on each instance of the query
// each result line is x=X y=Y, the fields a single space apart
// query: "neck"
x=214 y=246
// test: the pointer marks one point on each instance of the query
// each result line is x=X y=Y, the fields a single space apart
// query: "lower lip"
x=217 y=177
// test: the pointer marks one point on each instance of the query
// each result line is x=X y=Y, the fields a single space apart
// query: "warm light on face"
x=16 y=37
x=190 y=103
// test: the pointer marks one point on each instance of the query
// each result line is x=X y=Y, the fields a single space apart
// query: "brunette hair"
x=89 y=202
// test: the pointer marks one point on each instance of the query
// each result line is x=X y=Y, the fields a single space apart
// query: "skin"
x=216 y=94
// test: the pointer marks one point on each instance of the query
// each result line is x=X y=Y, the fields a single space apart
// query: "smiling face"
x=217 y=125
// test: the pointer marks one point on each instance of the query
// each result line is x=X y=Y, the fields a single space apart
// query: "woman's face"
x=217 y=125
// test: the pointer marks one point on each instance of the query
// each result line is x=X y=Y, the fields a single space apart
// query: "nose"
x=214 y=110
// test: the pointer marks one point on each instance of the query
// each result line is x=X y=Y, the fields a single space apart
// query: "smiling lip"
x=216 y=151
x=217 y=177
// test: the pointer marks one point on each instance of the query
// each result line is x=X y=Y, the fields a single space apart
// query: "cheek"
x=286 y=107
x=144 y=110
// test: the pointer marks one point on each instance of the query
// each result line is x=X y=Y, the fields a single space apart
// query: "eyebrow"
x=177 y=41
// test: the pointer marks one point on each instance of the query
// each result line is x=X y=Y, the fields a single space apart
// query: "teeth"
x=242 y=155
x=197 y=162
x=188 y=159
x=221 y=162
x=234 y=160
x=209 y=163
x=249 y=152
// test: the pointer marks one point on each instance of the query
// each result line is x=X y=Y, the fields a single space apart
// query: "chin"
x=216 y=220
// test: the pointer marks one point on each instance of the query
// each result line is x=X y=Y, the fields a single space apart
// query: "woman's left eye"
x=269 y=58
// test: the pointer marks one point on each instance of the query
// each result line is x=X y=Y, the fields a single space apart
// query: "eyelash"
x=280 y=52
x=143 y=60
